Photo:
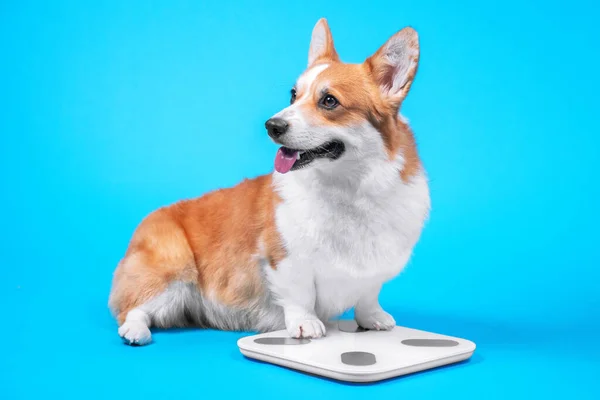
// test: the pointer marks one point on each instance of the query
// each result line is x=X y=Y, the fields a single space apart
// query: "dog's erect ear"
x=321 y=44
x=394 y=65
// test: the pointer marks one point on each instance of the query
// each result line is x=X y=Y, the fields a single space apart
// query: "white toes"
x=135 y=333
x=379 y=320
x=308 y=328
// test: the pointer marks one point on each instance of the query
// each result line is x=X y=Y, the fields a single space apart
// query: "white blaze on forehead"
x=307 y=78
x=303 y=86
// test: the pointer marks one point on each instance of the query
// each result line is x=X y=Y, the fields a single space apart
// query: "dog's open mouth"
x=292 y=159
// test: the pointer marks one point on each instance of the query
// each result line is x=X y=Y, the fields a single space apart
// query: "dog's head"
x=342 y=111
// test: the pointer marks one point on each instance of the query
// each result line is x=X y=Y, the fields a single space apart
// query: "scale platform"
x=353 y=354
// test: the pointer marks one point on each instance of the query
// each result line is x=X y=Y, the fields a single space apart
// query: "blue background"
x=110 y=110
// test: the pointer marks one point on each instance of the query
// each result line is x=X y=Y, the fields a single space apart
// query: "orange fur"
x=215 y=241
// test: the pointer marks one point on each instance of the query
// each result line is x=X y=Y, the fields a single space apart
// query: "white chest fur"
x=347 y=238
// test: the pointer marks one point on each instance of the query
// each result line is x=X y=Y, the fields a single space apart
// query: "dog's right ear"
x=394 y=65
x=321 y=44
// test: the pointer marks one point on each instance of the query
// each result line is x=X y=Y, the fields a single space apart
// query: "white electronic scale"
x=351 y=353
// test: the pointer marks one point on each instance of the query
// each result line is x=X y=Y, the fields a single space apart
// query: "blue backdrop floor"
x=80 y=355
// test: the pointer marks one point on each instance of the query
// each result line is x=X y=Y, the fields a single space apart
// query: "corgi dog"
x=337 y=218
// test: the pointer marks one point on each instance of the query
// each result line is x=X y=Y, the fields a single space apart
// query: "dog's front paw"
x=378 y=320
x=306 y=328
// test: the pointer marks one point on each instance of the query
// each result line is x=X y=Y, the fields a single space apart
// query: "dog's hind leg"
x=179 y=305
x=155 y=283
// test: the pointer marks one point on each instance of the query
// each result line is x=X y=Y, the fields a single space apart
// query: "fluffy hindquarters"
x=201 y=262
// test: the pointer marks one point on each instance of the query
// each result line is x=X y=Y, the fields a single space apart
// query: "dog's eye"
x=329 y=102
x=293 y=98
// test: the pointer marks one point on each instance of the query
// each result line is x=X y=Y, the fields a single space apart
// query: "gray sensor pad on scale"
x=358 y=358
x=430 y=342
x=350 y=326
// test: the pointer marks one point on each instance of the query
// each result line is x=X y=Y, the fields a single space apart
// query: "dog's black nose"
x=276 y=127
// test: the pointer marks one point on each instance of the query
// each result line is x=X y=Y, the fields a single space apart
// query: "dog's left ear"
x=394 y=65
x=321 y=44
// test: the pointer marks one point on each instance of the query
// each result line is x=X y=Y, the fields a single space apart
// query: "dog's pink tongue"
x=284 y=161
